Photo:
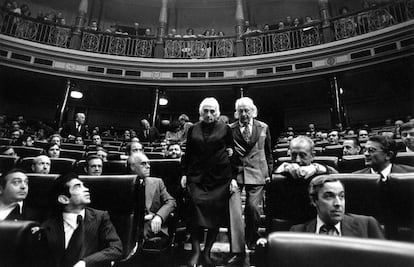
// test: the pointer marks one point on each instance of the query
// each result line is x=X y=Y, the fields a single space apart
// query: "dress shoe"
x=237 y=259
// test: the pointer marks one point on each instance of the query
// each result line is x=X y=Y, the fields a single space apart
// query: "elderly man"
x=302 y=166
x=148 y=133
x=14 y=187
x=254 y=163
x=41 y=164
x=94 y=165
x=333 y=137
x=380 y=152
x=351 y=146
x=158 y=202
x=407 y=136
x=75 y=128
x=327 y=195
x=77 y=235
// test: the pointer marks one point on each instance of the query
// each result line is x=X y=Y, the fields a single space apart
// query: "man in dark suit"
x=79 y=236
x=327 y=195
x=75 y=128
x=148 y=133
x=14 y=186
x=158 y=202
x=380 y=152
x=407 y=136
x=254 y=163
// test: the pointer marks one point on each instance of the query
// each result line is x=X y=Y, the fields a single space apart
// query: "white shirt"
x=249 y=124
x=385 y=172
x=408 y=150
x=70 y=224
x=5 y=212
x=320 y=223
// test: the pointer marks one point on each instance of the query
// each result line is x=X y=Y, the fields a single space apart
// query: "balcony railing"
x=208 y=47
x=257 y=43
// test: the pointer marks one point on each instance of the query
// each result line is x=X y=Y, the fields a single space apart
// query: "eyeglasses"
x=372 y=150
x=405 y=134
x=145 y=163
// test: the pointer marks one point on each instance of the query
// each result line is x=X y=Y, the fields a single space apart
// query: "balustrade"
x=207 y=47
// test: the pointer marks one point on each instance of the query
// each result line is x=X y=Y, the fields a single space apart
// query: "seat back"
x=325 y=160
x=5 y=141
x=72 y=154
x=352 y=163
x=406 y=158
x=155 y=155
x=114 y=167
x=40 y=186
x=124 y=199
x=24 y=151
x=40 y=144
x=21 y=244
x=70 y=146
x=280 y=152
x=333 y=150
x=57 y=165
x=306 y=249
x=7 y=163
x=169 y=170
x=401 y=190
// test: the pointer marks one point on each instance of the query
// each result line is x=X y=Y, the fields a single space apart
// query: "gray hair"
x=245 y=101
x=210 y=101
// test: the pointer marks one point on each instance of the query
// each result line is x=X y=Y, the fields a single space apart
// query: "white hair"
x=210 y=101
x=245 y=101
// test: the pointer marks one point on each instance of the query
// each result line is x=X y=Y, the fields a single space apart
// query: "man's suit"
x=157 y=201
x=396 y=168
x=253 y=163
x=150 y=135
x=352 y=225
x=70 y=129
x=26 y=214
x=101 y=242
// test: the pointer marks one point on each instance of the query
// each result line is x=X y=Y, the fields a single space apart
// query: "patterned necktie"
x=246 y=133
x=327 y=230
x=74 y=249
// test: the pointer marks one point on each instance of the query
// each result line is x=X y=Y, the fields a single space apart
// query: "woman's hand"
x=233 y=186
x=183 y=181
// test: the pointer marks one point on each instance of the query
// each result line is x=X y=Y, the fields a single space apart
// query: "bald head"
x=41 y=164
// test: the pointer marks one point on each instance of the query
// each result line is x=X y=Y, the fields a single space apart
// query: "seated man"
x=333 y=138
x=96 y=140
x=363 y=135
x=173 y=151
x=77 y=235
x=94 y=165
x=351 y=146
x=14 y=186
x=327 y=195
x=407 y=136
x=158 y=202
x=380 y=152
x=302 y=153
x=41 y=164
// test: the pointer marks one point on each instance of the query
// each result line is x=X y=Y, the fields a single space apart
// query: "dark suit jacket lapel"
x=310 y=227
x=349 y=227
x=56 y=237
x=90 y=226
x=255 y=132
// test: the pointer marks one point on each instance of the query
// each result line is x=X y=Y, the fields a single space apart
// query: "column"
x=76 y=39
x=159 y=45
x=65 y=102
x=239 y=16
x=337 y=109
x=325 y=17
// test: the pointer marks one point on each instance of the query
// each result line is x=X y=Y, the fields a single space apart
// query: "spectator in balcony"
x=53 y=150
x=288 y=22
x=220 y=34
x=351 y=146
x=41 y=164
x=189 y=33
x=25 y=10
x=206 y=33
x=148 y=32
x=308 y=20
x=15 y=8
x=93 y=26
x=136 y=28
x=7 y=7
x=173 y=34
x=296 y=22
x=213 y=32
x=266 y=28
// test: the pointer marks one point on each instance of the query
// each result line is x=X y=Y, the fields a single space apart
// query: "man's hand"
x=183 y=181
x=229 y=151
x=80 y=264
x=233 y=186
x=156 y=224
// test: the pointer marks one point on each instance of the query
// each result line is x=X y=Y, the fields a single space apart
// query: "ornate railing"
x=372 y=19
x=117 y=44
x=199 y=47
x=276 y=41
x=35 y=30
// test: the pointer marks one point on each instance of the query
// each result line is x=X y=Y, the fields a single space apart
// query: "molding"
x=369 y=49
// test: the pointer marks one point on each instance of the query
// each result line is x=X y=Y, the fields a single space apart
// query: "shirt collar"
x=71 y=218
x=385 y=172
x=408 y=150
x=20 y=203
x=320 y=223
x=250 y=123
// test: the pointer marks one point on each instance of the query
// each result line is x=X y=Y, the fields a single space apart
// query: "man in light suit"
x=79 y=236
x=158 y=202
x=327 y=195
x=380 y=152
x=254 y=163
x=75 y=128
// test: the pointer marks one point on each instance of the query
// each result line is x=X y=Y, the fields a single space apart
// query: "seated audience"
x=79 y=140
x=148 y=133
x=333 y=138
x=302 y=154
x=55 y=139
x=96 y=140
x=94 y=165
x=7 y=151
x=363 y=135
x=351 y=146
x=14 y=186
x=158 y=202
x=173 y=134
x=75 y=128
x=380 y=152
x=76 y=234
x=28 y=140
x=52 y=150
x=407 y=136
x=173 y=151
x=41 y=164
x=311 y=130
x=102 y=153
x=327 y=195
x=134 y=147
x=16 y=139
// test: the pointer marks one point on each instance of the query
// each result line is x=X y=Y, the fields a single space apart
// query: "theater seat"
x=334 y=150
x=401 y=190
x=72 y=154
x=284 y=249
x=24 y=151
x=57 y=165
x=5 y=141
x=155 y=155
x=352 y=163
x=40 y=144
x=70 y=146
x=21 y=244
x=280 y=152
x=406 y=158
x=40 y=185
x=113 y=167
x=7 y=163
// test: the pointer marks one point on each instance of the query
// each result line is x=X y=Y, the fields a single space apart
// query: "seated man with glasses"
x=158 y=202
x=380 y=152
x=407 y=136
x=301 y=166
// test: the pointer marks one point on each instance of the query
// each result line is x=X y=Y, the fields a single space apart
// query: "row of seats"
x=391 y=202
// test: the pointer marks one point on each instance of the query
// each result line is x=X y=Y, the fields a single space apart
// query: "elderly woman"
x=207 y=177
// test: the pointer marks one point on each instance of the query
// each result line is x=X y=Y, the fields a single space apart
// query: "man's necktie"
x=74 y=250
x=246 y=133
x=327 y=230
